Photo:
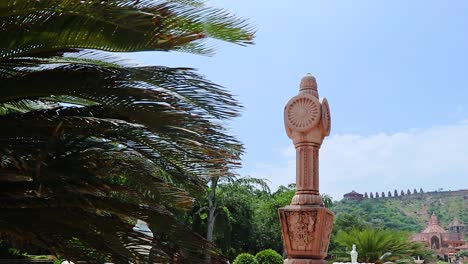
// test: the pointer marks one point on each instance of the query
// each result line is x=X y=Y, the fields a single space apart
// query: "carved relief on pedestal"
x=327 y=233
x=306 y=230
x=301 y=229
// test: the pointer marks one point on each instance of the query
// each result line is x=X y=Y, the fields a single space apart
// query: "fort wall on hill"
x=396 y=194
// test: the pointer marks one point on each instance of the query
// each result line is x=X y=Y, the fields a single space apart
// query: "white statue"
x=418 y=261
x=354 y=254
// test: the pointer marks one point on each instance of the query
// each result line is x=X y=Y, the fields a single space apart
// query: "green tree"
x=346 y=222
x=238 y=199
x=225 y=192
x=90 y=143
x=228 y=204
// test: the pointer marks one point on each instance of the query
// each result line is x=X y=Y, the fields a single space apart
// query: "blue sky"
x=395 y=75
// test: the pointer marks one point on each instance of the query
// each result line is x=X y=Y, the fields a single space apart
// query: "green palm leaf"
x=32 y=27
x=91 y=142
x=378 y=245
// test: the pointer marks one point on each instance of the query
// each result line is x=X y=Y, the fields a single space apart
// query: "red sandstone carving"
x=306 y=224
x=302 y=112
x=326 y=117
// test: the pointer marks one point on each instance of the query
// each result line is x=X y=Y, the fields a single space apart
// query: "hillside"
x=409 y=212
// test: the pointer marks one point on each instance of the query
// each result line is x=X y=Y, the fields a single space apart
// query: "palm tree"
x=379 y=245
x=90 y=143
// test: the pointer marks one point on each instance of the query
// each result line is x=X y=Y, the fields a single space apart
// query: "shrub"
x=245 y=258
x=269 y=256
x=462 y=253
x=7 y=252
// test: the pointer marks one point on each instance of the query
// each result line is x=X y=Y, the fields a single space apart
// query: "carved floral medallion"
x=326 y=117
x=303 y=112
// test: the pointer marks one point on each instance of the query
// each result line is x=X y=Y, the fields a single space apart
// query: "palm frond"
x=30 y=28
x=164 y=87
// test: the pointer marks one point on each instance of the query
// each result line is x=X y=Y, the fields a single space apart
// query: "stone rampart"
x=414 y=194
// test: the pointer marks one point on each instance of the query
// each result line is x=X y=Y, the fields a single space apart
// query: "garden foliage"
x=245 y=258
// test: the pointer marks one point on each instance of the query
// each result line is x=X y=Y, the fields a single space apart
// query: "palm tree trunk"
x=212 y=204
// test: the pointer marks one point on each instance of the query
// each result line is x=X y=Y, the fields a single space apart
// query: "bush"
x=7 y=252
x=462 y=253
x=269 y=256
x=245 y=258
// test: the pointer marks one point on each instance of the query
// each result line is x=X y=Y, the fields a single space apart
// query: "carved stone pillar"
x=306 y=224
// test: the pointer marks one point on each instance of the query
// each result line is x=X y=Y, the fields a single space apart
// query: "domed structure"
x=456 y=226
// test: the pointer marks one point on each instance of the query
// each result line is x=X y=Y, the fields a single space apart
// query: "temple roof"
x=434 y=226
x=456 y=222
x=353 y=193
x=462 y=247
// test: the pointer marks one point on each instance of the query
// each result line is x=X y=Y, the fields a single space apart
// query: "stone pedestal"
x=304 y=261
x=306 y=230
x=305 y=224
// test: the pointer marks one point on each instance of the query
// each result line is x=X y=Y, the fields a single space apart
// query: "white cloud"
x=430 y=158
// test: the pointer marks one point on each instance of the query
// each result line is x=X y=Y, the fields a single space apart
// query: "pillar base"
x=306 y=231
x=304 y=261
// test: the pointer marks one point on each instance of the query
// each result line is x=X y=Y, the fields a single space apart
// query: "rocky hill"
x=409 y=212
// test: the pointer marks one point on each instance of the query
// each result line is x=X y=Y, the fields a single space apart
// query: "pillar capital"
x=307 y=121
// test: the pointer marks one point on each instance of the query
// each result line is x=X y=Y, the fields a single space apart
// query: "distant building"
x=444 y=243
x=354 y=196
x=457 y=227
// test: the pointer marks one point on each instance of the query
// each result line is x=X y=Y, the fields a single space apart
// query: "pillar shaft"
x=307 y=167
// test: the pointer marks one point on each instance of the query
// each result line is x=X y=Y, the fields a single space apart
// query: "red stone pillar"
x=306 y=225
